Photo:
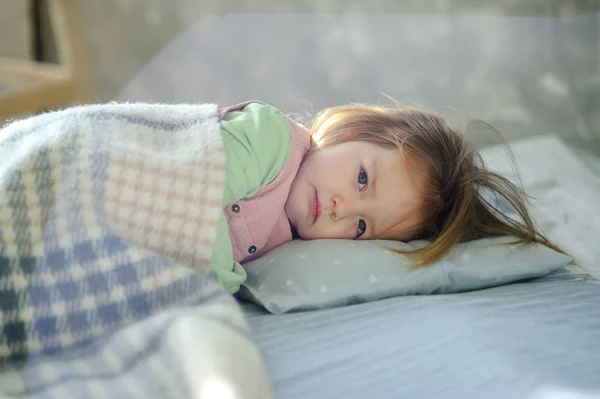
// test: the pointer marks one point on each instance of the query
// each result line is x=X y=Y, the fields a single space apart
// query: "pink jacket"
x=259 y=224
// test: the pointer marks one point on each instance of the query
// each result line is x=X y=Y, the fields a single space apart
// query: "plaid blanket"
x=108 y=216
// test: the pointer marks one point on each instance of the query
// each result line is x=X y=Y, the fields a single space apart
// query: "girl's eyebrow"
x=372 y=226
x=373 y=183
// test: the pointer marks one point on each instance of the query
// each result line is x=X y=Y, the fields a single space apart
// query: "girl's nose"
x=342 y=208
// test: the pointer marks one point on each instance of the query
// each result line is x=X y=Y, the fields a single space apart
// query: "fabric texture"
x=521 y=341
x=564 y=188
x=108 y=216
x=264 y=150
x=319 y=274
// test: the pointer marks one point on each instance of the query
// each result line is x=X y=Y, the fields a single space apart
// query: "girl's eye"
x=362 y=227
x=362 y=179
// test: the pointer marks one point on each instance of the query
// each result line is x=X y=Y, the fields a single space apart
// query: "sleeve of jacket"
x=257 y=144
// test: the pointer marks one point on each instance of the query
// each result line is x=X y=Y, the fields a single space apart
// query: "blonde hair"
x=454 y=208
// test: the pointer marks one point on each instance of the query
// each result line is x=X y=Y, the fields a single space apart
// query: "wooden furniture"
x=30 y=87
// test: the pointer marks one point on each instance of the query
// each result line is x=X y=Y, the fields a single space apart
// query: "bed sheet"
x=527 y=340
x=564 y=190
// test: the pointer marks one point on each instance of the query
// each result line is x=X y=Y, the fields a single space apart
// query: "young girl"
x=110 y=213
x=361 y=172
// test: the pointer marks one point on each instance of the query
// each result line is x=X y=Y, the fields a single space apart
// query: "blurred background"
x=528 y=67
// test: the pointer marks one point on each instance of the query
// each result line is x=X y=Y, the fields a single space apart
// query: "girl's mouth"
x=315 y=207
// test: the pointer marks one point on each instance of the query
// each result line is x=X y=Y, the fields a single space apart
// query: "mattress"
x=564 y=188
x=525 y=340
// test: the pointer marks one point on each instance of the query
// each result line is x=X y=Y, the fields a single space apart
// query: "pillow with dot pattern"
x=319 y=274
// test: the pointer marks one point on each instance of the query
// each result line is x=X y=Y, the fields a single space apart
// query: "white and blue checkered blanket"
x=108 y=217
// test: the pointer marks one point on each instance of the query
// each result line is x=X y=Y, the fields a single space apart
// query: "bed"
x=534 y=339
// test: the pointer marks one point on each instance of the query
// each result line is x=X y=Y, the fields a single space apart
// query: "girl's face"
x=356 y=190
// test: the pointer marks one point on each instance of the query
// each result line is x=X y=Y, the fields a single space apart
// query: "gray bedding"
x=539 y=339
x=533 y=339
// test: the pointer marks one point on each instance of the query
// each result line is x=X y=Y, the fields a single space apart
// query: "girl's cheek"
x=352 y=231
x=348 y=232
x=332 y=230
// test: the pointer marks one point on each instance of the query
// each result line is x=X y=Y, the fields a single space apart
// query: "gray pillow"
x=319 y=274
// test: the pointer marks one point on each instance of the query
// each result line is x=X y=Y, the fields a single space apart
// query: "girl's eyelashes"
x=362 y=227
x=363 y=179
